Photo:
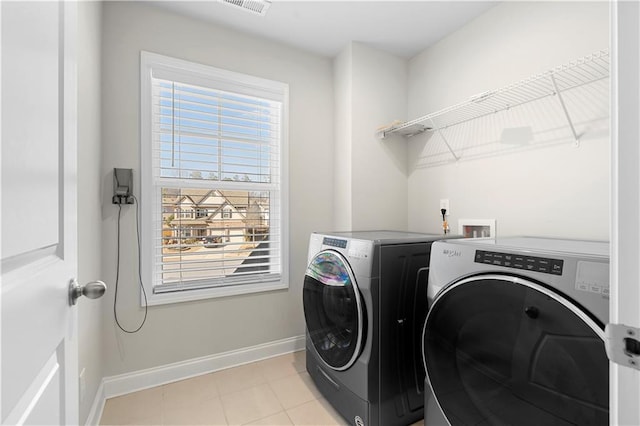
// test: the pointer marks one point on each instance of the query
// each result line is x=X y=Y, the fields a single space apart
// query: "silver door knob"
x=92 y=290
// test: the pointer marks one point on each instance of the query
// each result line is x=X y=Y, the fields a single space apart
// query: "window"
x=213 y=181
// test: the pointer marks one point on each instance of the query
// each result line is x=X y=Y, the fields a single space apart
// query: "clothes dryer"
x=515 y=333
x=364 y=304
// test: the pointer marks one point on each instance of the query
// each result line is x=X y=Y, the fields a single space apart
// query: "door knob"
x=92 y=290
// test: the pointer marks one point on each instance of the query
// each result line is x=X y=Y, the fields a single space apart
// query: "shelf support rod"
x=433 y=126
x=566 y=112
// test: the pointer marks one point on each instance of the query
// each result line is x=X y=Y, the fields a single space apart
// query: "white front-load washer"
x=514 y=334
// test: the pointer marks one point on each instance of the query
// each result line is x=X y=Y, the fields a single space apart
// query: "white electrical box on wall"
x=477 y=228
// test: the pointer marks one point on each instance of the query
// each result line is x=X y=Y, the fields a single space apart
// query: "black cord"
x=144 y=293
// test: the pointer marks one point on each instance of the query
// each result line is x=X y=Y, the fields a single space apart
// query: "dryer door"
x=333 y=310
x=502 y=350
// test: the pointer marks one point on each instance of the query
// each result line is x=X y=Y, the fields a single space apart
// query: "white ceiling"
x=403 y=28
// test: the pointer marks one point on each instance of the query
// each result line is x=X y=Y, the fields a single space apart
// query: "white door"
x=625 y=197
x=39 y=347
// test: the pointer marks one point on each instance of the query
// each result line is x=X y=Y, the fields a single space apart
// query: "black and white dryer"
x=515 y=333
x=364 y=304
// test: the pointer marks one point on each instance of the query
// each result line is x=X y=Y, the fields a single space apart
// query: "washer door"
x=502 y=350
x=333 y=310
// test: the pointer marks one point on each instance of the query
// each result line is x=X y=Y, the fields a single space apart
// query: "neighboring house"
x=257 y=221
x=226 y=216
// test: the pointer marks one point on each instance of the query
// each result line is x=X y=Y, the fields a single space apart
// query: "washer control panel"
x=593 y=277
x=355 y=249
x=334 y=242
x=518 y=261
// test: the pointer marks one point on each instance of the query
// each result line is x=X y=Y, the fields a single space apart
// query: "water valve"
x=445 y=224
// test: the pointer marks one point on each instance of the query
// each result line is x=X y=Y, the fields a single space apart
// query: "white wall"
x=370 y=174
x=89 y=214
x=193 y=329
x=557 y=191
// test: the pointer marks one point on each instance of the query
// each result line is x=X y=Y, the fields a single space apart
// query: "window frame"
x=207 y=76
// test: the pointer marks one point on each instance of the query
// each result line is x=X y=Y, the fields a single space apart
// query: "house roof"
x=214 y=200
x=191 y=222
x=239 y=199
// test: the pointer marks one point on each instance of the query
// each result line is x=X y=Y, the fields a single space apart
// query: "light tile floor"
x=276 y=391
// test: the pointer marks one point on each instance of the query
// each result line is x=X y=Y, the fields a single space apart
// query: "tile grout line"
x=266 y=379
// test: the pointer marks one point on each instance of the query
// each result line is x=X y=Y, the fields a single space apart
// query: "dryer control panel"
x=518 y=261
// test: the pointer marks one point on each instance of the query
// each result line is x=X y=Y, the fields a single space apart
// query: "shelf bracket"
x=437 y=129
x=566 y=112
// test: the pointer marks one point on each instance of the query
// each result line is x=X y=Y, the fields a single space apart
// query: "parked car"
x=212 y=241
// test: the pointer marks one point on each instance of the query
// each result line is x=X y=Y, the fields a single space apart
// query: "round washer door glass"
x=333 y=310
x=501 y=350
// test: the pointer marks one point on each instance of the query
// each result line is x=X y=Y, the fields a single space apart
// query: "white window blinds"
x=215 y=175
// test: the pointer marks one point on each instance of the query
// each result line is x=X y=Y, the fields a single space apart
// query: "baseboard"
x=96 y=408
x=143 y=379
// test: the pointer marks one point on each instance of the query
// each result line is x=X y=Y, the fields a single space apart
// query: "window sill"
x=212 y=293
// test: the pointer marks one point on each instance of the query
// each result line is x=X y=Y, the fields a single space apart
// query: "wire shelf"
x=581 y=72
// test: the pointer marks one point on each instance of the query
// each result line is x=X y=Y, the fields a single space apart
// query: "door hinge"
x=623 y=345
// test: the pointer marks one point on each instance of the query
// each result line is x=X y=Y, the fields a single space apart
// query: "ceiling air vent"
x=257 y=7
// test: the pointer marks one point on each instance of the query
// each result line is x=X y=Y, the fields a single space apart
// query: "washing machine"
x=515 y=333
x=365 y=302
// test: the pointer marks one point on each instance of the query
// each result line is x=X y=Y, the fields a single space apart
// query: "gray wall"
x=89 y=217
x=342 y=142
x=192 y=329
x=379 y=167
x=557 y=191
x=370 y=177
